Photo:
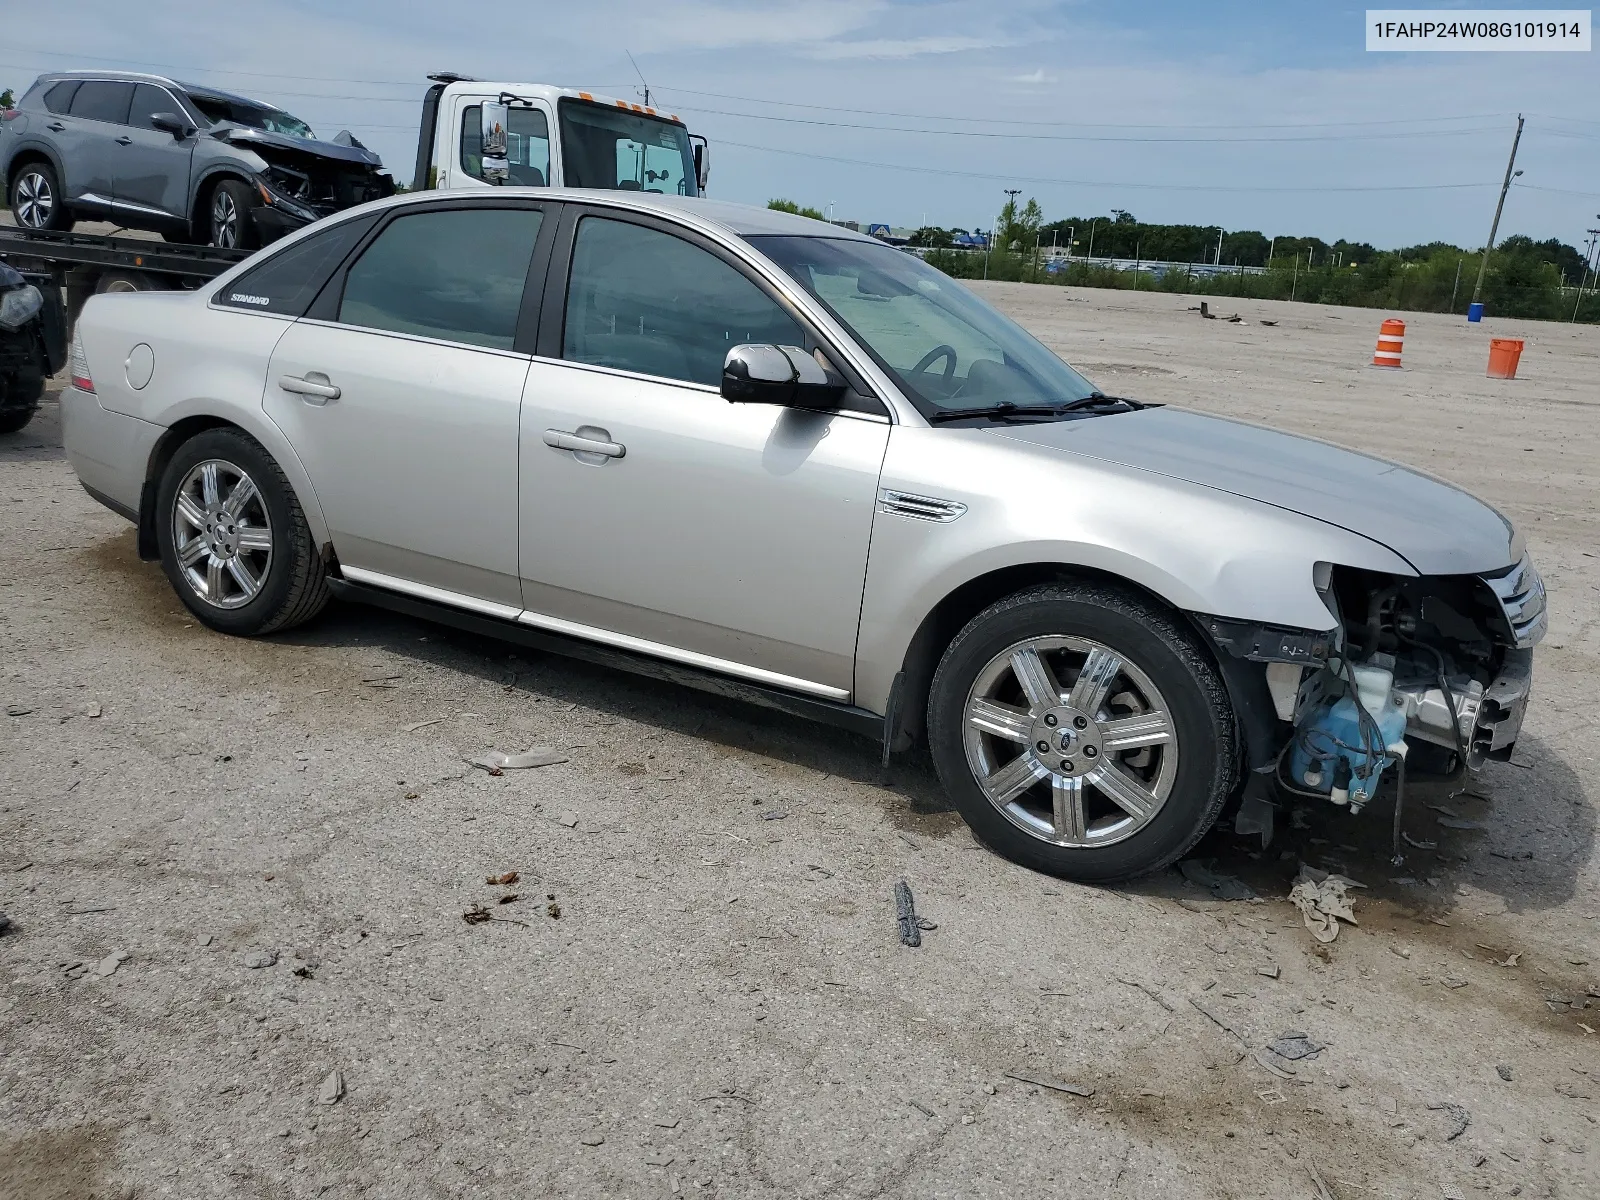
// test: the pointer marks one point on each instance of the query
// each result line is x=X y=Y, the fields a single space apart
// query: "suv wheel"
x=233 y=539
x=36 y=200
x=1083 y=731
x=232 y=226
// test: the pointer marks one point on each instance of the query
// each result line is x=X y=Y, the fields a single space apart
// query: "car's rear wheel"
x=36 y=200
x=15 y=419
x=233 y=538
x=1083 y=731
x=232 y=226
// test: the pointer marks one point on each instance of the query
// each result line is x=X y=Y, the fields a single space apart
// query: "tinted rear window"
x=58 y=99
x=98 y=100
x=288 y=281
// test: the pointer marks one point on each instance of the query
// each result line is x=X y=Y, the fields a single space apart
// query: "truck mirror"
x=495 y=167
x=702 y=161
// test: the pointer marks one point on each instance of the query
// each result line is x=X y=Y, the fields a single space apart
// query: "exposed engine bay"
x=1430 y=672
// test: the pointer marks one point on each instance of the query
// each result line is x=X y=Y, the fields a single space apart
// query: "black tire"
x=34 y=183
x=15 y=419
x=295 y=586
x=1167 y=651
x=125 y=281
x=242 y=199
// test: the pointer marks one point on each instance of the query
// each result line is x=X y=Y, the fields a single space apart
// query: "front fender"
x=1198 y=549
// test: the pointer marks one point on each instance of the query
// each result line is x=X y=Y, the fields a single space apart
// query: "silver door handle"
x=124 y=141
x=562 y=440
x=313 y=391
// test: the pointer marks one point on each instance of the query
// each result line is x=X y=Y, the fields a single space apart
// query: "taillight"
x=78 y=368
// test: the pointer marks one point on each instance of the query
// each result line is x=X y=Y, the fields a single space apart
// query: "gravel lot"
x=722 y=1007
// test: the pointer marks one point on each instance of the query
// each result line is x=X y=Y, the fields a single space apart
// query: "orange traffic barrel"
x=1391 y=336
x=1504 y=353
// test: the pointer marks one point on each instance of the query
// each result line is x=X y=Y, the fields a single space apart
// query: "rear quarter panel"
x=209 y=362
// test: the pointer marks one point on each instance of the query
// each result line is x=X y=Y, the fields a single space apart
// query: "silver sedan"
x=764 y=455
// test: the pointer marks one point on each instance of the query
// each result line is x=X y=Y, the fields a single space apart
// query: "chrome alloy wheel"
x=222 y=534
x=224 y=220
x=1071 y=742
x=35 y=200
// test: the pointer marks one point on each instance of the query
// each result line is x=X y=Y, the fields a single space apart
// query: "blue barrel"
x=1475 y=312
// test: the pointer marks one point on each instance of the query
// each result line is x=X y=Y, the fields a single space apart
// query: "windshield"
x=613 y=149
x=255 y=116
x=946 y=348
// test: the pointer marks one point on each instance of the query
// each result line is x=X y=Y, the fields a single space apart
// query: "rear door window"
x=457 y=275
x=289 y=280
x=103 y=100
x=58 y=99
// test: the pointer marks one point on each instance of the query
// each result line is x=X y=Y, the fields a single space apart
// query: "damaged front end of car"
x=1429 y=674
x=301 y=181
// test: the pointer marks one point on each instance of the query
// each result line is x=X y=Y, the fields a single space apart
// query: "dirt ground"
x=722 y=1007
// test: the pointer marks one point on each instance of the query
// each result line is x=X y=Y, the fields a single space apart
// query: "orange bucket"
x=1391 y=336
x=1504 y=354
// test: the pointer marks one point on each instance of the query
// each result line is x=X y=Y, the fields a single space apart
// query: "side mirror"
x=496 y=168
x=702 y=161
x=171 y=123
x=784 y=375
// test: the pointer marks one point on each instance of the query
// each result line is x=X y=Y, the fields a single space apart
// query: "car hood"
x=244 y=135
x=1435 y=526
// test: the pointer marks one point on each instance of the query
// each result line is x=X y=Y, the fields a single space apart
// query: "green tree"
x=933 y=237
x=789 y=206
x=8 y=99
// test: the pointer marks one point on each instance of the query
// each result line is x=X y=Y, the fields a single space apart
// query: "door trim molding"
x=691 y=658
x=591 y=633
x=424 y=591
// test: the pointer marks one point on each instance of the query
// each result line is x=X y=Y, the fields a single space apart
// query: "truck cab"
x=480 y=134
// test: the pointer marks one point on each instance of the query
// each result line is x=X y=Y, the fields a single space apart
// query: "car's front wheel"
x=232 y=225
x=233 y=538
x=1083 y=731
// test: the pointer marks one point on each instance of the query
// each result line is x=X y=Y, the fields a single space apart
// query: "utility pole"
x=1583 y=279
x=642 y=79
x=1456 y=287
x=1270 y=249
x=1011 y=201
x=1505 y=186
x=1219 y=245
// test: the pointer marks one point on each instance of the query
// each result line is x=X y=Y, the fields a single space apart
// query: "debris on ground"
x=1271 y=971
x=1504 y=1072
x=1459 y=823
x=1460 y=1118
x=5 y=922
x=553 y=910
x=1419 y=843
x=506 y=878
x=509 y=898
x=1295 y=1046
x=109 y=964
x=1202 y=873
x=911 y=925
x=570 y=820
x=1149 y=991
x=332 y=1088
x=17 y=710
x=592 y=1139
x=203 y=940
x=1269 y=322
x=1323 y=901
x=416 y=725
x=496 y=762
x=1055 y=1085
x=478 y=915
x=256 y=959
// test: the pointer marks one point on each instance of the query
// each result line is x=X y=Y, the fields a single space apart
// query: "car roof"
x=741 y=220
x=200 y=90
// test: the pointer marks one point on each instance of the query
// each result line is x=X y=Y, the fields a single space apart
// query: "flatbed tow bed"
x=83 y=264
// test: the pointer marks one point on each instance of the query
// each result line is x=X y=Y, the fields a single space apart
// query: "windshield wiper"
x=1001 y=411
x=1094 y=398
x=1006 y=410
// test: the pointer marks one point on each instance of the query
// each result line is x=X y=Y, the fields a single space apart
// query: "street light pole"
x=1505 y=186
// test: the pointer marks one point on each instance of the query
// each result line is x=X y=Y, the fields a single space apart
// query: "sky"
x=1266 y=116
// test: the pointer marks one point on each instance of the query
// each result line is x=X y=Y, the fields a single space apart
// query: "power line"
x=1075 y=137
x=1176 y=187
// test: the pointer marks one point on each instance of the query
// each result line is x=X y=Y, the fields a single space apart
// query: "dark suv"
x=192 y=163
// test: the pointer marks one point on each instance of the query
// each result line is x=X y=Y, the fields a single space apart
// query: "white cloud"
x=902 y=47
